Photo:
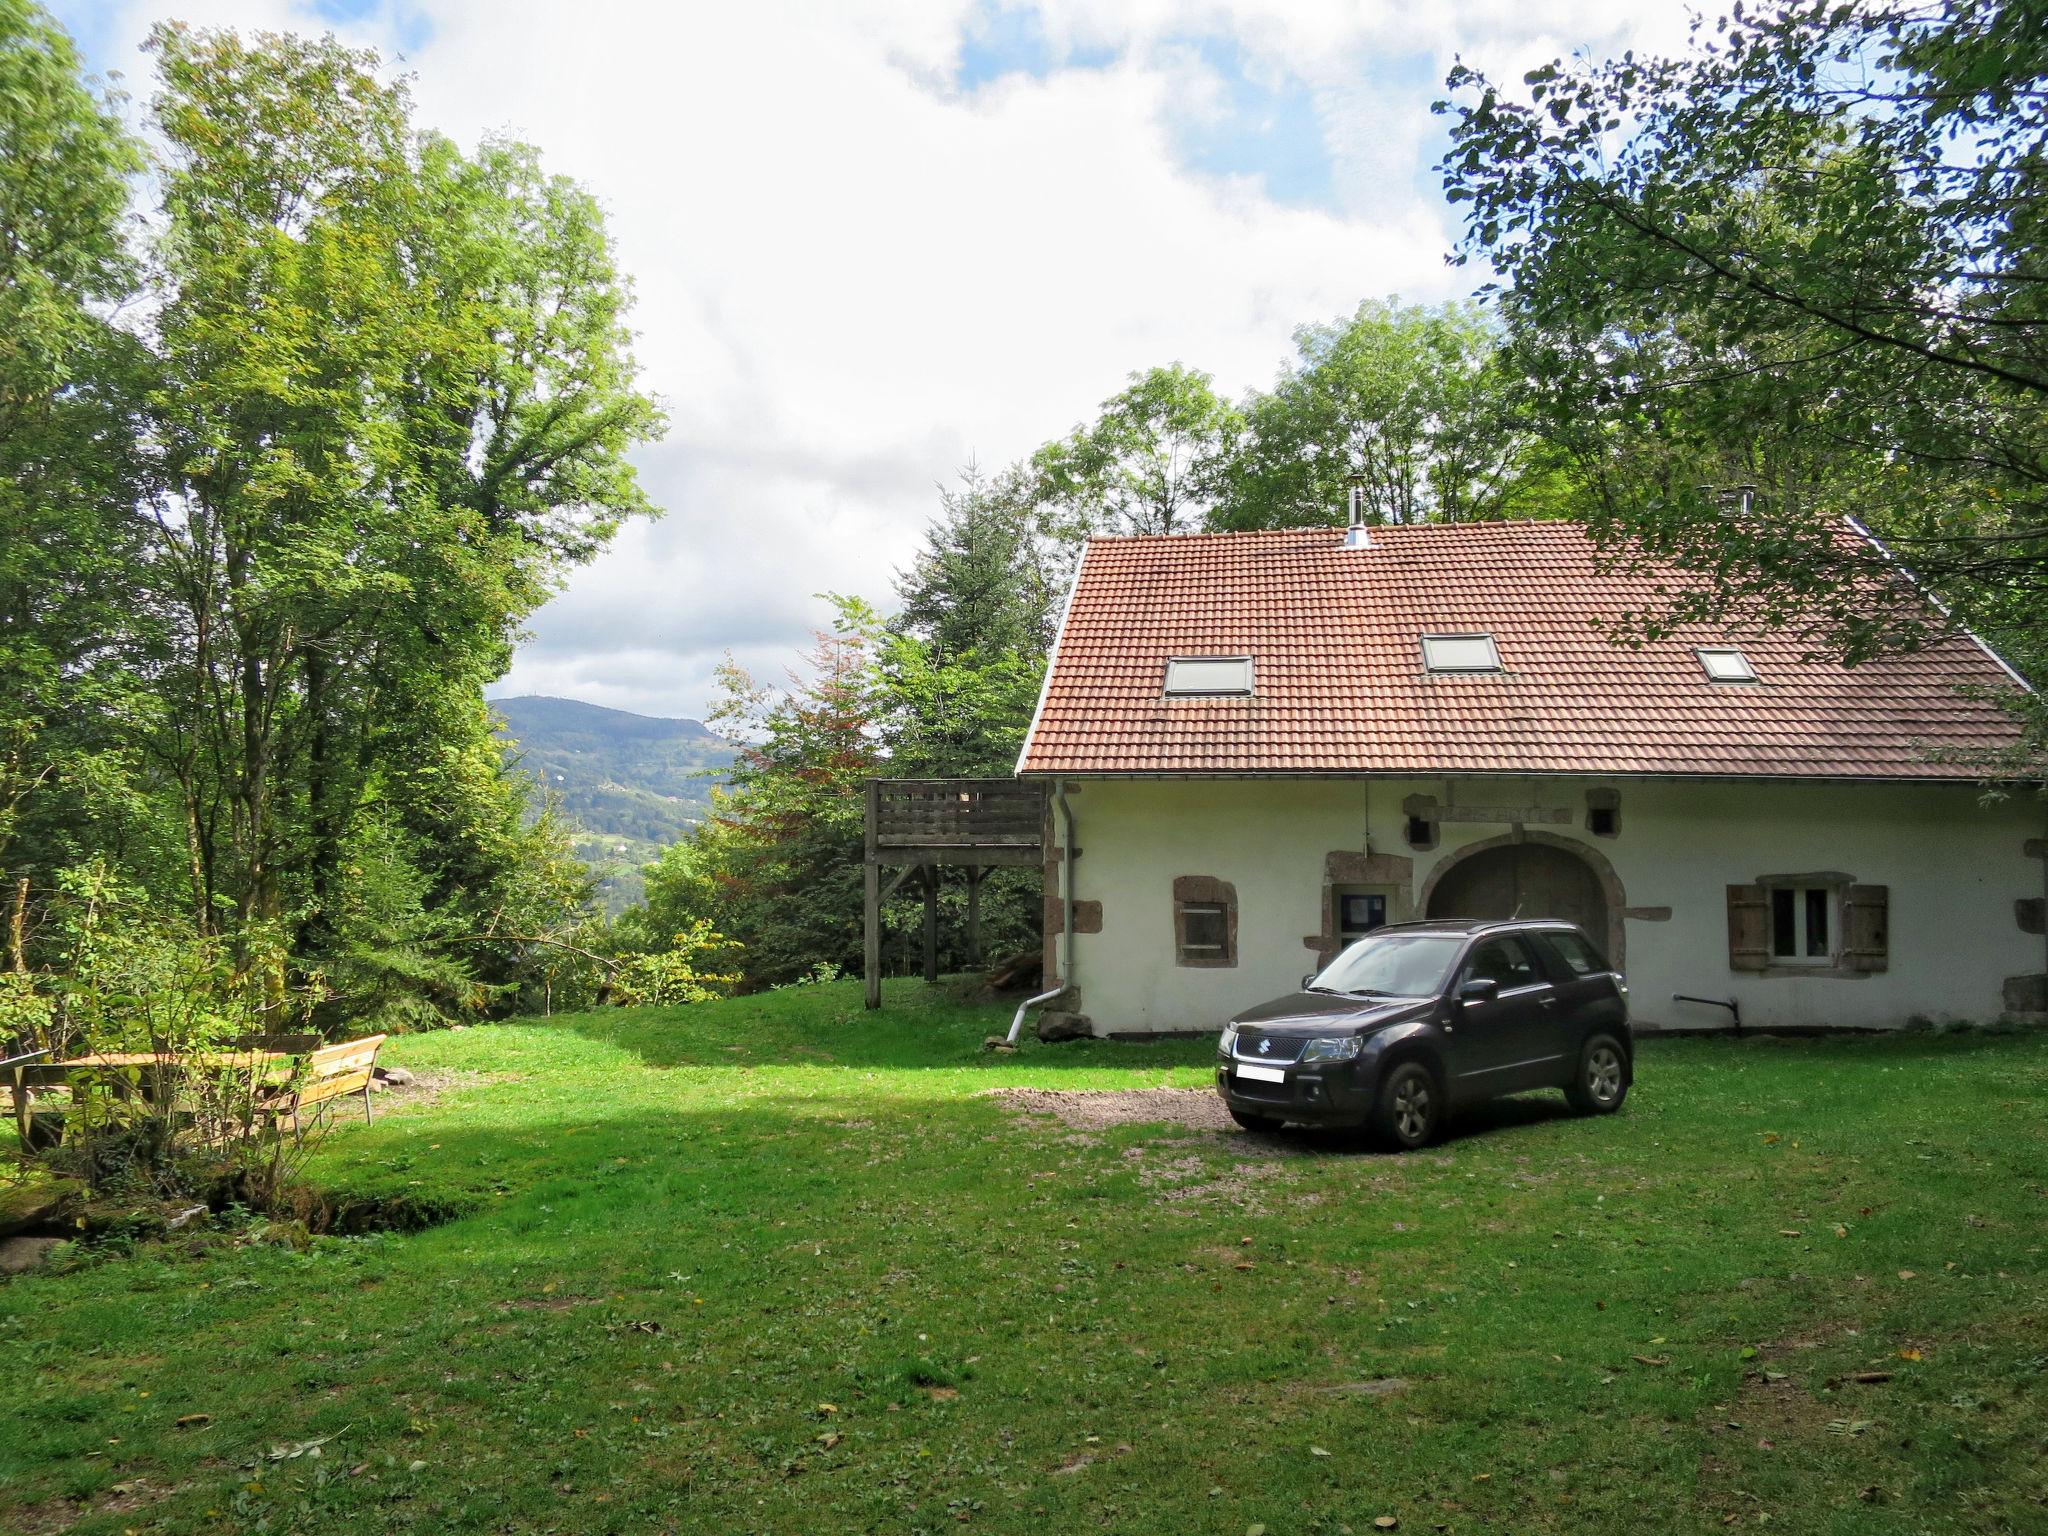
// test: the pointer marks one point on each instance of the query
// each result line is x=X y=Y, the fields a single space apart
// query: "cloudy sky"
x=875 y=239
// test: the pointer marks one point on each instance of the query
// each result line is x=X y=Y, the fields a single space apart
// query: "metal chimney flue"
x=1356 y=535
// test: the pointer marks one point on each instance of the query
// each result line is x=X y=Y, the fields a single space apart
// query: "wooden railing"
x=958 y=813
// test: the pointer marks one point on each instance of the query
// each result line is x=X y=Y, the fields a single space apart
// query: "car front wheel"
x=1602 y=1080
x=1409 y=1107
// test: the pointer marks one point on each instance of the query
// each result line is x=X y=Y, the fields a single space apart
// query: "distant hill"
x=630 y=784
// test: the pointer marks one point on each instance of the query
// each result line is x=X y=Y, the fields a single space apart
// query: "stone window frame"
x=1204 y=891
x=1603 y=800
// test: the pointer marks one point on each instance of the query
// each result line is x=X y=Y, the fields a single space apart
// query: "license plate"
x=1260 y=1074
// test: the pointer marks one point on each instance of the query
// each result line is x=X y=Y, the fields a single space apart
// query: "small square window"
x=1209 y=675
x=1460 y=653
x=1205 y=930
x=1726 y=665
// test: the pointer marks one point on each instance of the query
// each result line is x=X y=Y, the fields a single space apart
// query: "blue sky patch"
x=1267 y=127
x=1003 y=40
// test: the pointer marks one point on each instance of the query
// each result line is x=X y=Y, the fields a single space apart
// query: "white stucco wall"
x=1954 y=867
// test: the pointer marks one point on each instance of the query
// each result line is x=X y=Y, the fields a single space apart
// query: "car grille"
x=1284 y=1047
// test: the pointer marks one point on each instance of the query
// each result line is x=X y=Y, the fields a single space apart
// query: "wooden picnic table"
x=28 y=1077
x=156 y=1058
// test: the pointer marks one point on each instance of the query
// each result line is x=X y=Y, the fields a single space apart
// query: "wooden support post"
x=931 y=922
x=974 y=876
x=871 y=908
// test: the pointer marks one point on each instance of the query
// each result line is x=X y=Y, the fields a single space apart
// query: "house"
x=1263 y=745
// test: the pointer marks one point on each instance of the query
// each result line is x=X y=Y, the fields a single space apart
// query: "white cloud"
x=853 y=278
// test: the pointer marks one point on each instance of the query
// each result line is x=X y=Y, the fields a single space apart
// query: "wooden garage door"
x=1523 y=880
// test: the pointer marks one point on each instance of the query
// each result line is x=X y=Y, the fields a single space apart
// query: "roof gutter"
x=1345 y=775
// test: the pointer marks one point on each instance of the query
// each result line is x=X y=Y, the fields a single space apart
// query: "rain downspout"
x=1072 y=853
x=1066 y=977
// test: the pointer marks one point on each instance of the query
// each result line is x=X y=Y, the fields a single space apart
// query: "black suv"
x=1416 y=1019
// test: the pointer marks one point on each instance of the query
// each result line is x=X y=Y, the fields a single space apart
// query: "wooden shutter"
x=1749 y=928
x=1866 y=927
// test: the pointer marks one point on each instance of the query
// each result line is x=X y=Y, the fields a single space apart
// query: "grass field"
x=776 y=1265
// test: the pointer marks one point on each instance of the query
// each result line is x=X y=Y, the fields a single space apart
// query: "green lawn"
x=775 y=1265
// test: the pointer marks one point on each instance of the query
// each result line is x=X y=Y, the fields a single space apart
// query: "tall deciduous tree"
x=1794 y=275
x=1404 y=401
x=1154 y=460
x=395 y=399
x=69 y=457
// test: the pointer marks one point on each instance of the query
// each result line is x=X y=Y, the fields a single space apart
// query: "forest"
x=305 y=409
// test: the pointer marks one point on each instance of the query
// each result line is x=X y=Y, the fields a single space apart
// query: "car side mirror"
x=1308 y=981
x=1479 y=989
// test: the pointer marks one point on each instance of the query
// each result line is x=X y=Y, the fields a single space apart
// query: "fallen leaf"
x=1905 y=1274
x=194 y=1421
x=1386 y=1523
x=1841 y=1231
x=1871 y=1378
x=1651 y=1359
x=830 y=1439
x=1788 y=1232
x=828 y=1407
x=1317 y=1450
x=304 y=1447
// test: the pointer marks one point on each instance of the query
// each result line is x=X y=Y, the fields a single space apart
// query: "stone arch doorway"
x=1536 y=875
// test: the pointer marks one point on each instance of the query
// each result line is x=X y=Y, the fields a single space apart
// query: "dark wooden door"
x=1527 y=880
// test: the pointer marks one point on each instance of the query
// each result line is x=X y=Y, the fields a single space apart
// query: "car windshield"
x=1392 y=965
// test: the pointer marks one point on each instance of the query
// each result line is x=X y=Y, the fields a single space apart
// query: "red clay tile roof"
x=1340 y=686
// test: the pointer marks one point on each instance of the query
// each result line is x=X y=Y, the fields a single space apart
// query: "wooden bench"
x=330 y=1072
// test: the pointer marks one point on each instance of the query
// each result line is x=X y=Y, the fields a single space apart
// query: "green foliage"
x=1792 y=276
x=680 y=971
x=260 y=553
x=1154 y=461
x=123 y=977
x=1408 y=403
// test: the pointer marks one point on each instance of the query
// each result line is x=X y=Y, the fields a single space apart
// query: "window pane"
x=1209 y=674
x=1784 y=924
x=1204 y=929
x=1727 y=666
x=1574 y=956
x=1460 y=653
x=1504 y=961
x=1361 y=914
x=1816 y=922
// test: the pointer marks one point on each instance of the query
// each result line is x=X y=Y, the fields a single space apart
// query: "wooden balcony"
x=920 y=827
x=968 y=822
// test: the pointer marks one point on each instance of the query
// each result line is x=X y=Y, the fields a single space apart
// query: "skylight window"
x=1208 y=676
x=1460 y=653
x=1726 y=665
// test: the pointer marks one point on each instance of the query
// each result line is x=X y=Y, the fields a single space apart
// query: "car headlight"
x=1228 y=1042
x=1332 y=1048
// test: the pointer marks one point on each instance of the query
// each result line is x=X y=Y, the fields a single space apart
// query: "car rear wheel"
x=1252 y=1122
x=1409 y=1107
x=1602 y=1079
